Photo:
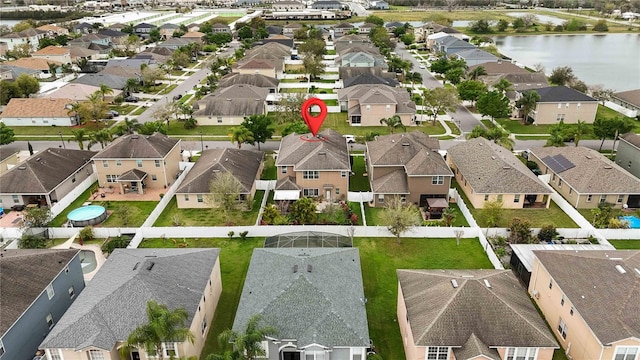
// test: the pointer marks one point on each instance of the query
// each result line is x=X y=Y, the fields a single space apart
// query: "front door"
x=291 y=355
x=327 y=195
x=135 y=355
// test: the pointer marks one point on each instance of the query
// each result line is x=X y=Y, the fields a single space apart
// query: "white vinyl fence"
x=62 y=204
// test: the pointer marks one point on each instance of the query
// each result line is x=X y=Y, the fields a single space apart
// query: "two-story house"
x=629 y=100
x=37 y=286
x=561 y=103
x=408 y=165
x=256 y=80
x=56 y=54
x=628 y=153
x=135 y=162
x=143 y=29
x=342 y=29
x=367 y=104
x=316 y=166
x=29 y=36
x=590 y=300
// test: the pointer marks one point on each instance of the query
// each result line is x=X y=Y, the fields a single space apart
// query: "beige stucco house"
x=367 y=104
x=54 y=53
x=585 y=178
x=134 y=162
x=488 y=172
x=245 y=166
x=114 y=303
x=408 y=165
x=230 y=105
x=313 y=166
x=561 y=103
x=469 y=315
x=590 y=300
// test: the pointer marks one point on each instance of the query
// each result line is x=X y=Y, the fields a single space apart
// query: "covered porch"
x=132 y=181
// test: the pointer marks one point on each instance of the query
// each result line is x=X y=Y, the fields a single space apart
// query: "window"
x=186 y=197
x=54 y=354
x=157 y=162
x=105 y=163
x=310 y=192
x=603 y=198
x=118 y=163
x=626 y=353
x=521 y=354
x=579 y=105
x=381 y=198
x=203 y=325
x=199 y=197
x=343 y=174
x=337 y=191
x=437 y=180
x=112 y=178
x=387 y=108
x=566 y=106
x=437 y=353
x=550 y=284
x=170 y=350
x=356 y=119
x=499 y=197
x=516 y=198
x=368 y=107
x=73 y=178
x=358 y=354
x=139 y=163
x=560 y=117
x=49 y=320
x=50 y=292
x=154 y=178
x=283 y=169
x=559 y=183
x=553 y=177
x=620 y=198
x=72 y=292
x=589 y=198
x=562 y=301
x=310 y=175
x=16 y=199
x=562 y=328
x=629 y=164
x=219 y=119
x=559 y=106
x=486 y=197
x=95 y=355
x=571 y=311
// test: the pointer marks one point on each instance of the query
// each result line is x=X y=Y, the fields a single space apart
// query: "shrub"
x=115 y=243
x=547 y=233
x=86 y=234
x=520 y=231
x=243 y=235
x=230 y=234
x=601 y=25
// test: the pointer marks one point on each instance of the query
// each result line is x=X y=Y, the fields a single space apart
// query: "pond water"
x=542 y=19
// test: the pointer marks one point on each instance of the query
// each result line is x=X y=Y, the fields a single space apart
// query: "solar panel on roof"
x=558 y=163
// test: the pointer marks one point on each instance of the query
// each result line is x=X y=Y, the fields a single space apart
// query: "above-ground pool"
x=634 y=221
x=87 y=215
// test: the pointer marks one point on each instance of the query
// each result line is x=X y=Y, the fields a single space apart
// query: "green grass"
x=331 y=52
x=372 y=214
x=54 y=130
x=459 y=220
x=381 y=257
x=168 y=89
x=138 y=212
x=139 y=111
x=270 y=171
x=626 y=244
x=331 y=102
x=62 y=217
x=209 y=217
x=358 y=182
x=606 y=113
x=123 y=109
x=294 y=90
x=185 y=99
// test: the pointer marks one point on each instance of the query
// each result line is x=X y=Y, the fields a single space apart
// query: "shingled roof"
x=311 y=295
x=606 y=299
x=632 y=139
x=135 y=146
x=115 y=301
x=631 y=96
x=501 y=315
x=369 y=79
x=304 y=152
x=562 y=93
x=36 y=108
x=24 y=275
x=257 y=80
x=44 y=171
x=491 y=169
x=242 y=164
x=593 y=173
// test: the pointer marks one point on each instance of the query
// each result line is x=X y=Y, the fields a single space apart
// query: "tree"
x=527 y=103
x=303 y=211
x=37 y=217
x=163 y=325
x=102 y=137
x=503 y=85
x=19 y=51
x=441 y=99
x=609 y=128
x=408 y=38
x=471 y=90
x=393 y=122
x=28 y=241
x=150 y=75
x=8 y=91
x=241 y=135
x=23 y=25
x=131 y=125
x=601 y=94
x=104 y=90
x=297 y=127
x=476 y=72
x=601 y=26
x=313 y=66
x=414 y=77
x=289 y=108
x=449 y=214
x=27 y=84
x=562 y=75
x=556 y=135
x=224 y=191
x=520 y=231
x=454 y=75
x=494 y=104
x=154 y=35
x=7 y=135
x=245 y=33
x=502 y=25
x=480 y=27
x=580 y=130
x=492 y=212
x=152 y=127
x=529 y=19
x=180 y=59
x=518 y=24
x=374 y=19
x=79 y=135
x=399 y=216
x=495 y=134
x=261 y=126
x=246 y=345
x=315 y=47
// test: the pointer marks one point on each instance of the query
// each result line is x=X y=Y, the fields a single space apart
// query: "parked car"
x=177 y=97
x=131 y=98
x=111 y=114
x=422 y=66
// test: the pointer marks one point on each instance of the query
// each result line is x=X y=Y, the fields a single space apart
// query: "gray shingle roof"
x=476 y=54
x=593 y=172
x=307 y=153
x=492 y=169
x=500 y=67
x=287 y=183
x=632 y=139
x=44 y=171
x=242 y=164
x=394 y=182
x=112 y=81
x=369 y=79
x=257 y=80
x=24 y=275
x=155 y=146
x=114 y=302
x=499 y=316
x=323 y=306
x=606 y=299
x=132 y=175
x=223 y=106
x=562 y=93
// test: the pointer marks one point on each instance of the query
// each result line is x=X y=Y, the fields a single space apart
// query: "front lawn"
x=381 y=257
x=139 y=111
x=626 y=244
x=136 y=212
x=55 y=130
x=208 y=217
x=357 y=181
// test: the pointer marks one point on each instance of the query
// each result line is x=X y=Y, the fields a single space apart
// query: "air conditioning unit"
x=535 y=294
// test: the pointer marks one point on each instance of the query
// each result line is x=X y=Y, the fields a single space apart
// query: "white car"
x=422 y=66
x=350 y=138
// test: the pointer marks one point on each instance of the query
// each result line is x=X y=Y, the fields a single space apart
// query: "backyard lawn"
x=626 y=244
x=62 y=217
x=208 y=217
x=358 y=182
x=269 y=170
x=126 y=213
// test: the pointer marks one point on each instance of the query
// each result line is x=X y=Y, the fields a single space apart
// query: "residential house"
x=114 y=303
x=230 y=105
x=475 y=56
x=369 y=79
x=78 y=53
x=409 y=166
x=588 y=298
x=379 y=5
x=122 y=71
x=88 y=39
x=256 y=80
x=500 y=68
x=245 y=166
x=167 y=30
x=469 y=314
x=45 y=177
x=488 y=172
x=193 y=36
x=361 y=59
x=36 y=289
x=279 y=39
x=629 y=100
x=275 y=30
x=350 y=41
x=135 y=64
x=628 y=153
x=290 y=29
x=118 y=38
x=3 y=48
x=55 y=54
x=175 y=43
x=316 y=166
x=521 y=79
x=451 y=45
x=346 y=73
x=220 y=28
x=159 y=54
x=83 y=28
x=586 y=177
x=79 y=92
x=425 y=32
x=38 y=112
x=368 y=104
x=116 y=26
x=143 y=29
x=11 y=73
x=193 y=27
x=42 y=66
x=366 y=28
x=328 y=5
x=288 y=5
x=561 y=103
x=312 y=297
x=258 y=66
x=52 y=30
x=342 y=29
x=135 y=162
x=112 y=81
x=29 y=36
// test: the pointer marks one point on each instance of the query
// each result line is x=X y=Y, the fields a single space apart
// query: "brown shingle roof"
x=631 y=96
x=135 y=146
x=491 y=169
x=394 y=182
x=593 y=172
x=51 y=50
x=36 y=107
x=632 y=139
x=498 y=316
x=193 y=34
x=303 y=152
x=257 y=64
x=606 y=299
x=32 y=63
x=24 y=275
x=500 y=67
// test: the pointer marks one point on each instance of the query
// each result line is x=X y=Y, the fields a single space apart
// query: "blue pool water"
x=634 y=222
x=86 y=213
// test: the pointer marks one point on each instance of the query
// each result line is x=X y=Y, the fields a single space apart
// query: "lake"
x=612 y=60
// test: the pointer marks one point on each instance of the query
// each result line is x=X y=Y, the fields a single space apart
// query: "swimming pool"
x=634 y=221
x=87 y=215
x=87 y=261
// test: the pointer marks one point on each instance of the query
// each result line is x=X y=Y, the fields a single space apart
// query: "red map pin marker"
x=314 y=122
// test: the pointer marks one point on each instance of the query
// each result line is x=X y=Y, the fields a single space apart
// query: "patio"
x=111 y=194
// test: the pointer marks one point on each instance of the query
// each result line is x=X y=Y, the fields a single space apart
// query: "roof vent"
x=151 y=264
x=136 y=265
x=309 y=268
x=22 y=167
x=38 y=159
x=588 y=156
x=405 y=144
x=506 y=167
x=454 y=283
x=608 y=167
x=295 y=268
x=322 y=153
x=487 y=284
x=134 y=136
x=620 y=269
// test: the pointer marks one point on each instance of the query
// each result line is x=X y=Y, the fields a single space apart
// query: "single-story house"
x=475 y=56
x=561 y=103
x=361 y=59
x=193 y=36
x=257 y=66
x=488 y=172
x=290 y=29
x=79 y=92
x=167 y=30
x=369 y=79
x=230 y=105
x=368 y=104
x=38 y=112
x=628 y=153
x=112 y=81
x=220 y=27
x=245 y=166
x=34 y=63
x=256 y=80
x=53 y=30
x=628 y=100
x=143 y=29
x=342 y=29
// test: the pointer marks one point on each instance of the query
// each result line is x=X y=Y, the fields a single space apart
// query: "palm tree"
x=132 y=85
x=73 y=110
x=164 y=325
x=478 y=131
x=476 y=73
x=247 y=345
x=393 y=122
x=131 y=125
x=503 y=86
x=501 y=137
x=240 y=135
x=79 y=135
x=102 y=137
x=556 y=138
x=527 y=103
x=414 y=77
x=104 y=91
x=449 y=215
x=580 y=130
